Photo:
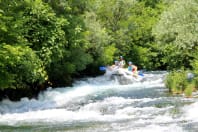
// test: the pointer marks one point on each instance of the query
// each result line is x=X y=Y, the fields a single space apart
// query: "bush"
x=189 y=89
x=195 y=80
x=176 y=81
x=20 y=67
x=169 y=83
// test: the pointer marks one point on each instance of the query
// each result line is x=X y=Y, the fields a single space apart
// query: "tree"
x=114 y=17
x=176 y=33
x=43 y=31
x=143 y=50
x=129 y=24
x=20 y=67
x=98 y=40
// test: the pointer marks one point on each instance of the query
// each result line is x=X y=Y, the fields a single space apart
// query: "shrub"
x=19 y=67
x=195 y=80
x=176 y=81
x=189 y=89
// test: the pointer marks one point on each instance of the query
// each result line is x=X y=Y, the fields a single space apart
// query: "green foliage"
x=129 y=23
x=177 y=29
x=178 y=24
x=143 y=49
x=173 y=58
x=44 y=31
x=176 y=81
x=194 y=63
x=80 y=59
x=140 y=56
x=48 y=40
x=170 y=84
x=189 y=89
x=98 y=41
x=20 y=66
x=76 y=56
x=114 y=12
x=11 y=22
x=196 y=83
x=107 y=55
x=113 y=16
x=150 y=3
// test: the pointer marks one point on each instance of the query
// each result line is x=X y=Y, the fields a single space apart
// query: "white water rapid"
x=102 y=104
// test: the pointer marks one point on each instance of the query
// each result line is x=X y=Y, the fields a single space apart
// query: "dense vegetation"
x=49 y=42
x=179 y=43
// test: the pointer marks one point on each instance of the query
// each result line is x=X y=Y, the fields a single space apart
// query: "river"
x=102 y=104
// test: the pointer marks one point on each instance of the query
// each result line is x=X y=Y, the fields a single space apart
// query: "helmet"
x=121 y=56
x=130 y=62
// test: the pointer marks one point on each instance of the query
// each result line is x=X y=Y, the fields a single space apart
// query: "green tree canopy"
x=177 y=32
x=19 y=67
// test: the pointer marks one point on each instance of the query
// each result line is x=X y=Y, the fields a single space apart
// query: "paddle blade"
x=102 y=68
x=140 y=73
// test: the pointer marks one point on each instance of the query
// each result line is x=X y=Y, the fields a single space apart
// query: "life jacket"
x=130 y=68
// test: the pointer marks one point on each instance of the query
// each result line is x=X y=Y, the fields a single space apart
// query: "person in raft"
x=115 y=65
x=121 y=62
x=133 y=69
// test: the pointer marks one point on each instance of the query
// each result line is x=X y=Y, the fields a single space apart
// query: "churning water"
x=102 y=104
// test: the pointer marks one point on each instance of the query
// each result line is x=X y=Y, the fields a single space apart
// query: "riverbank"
x=17 y=94
x=32 y=90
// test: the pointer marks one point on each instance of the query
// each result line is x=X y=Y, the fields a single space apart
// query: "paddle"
x=102 y=68
x=140 y=73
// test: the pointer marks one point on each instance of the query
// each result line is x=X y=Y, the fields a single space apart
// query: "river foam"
x=95 y=103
